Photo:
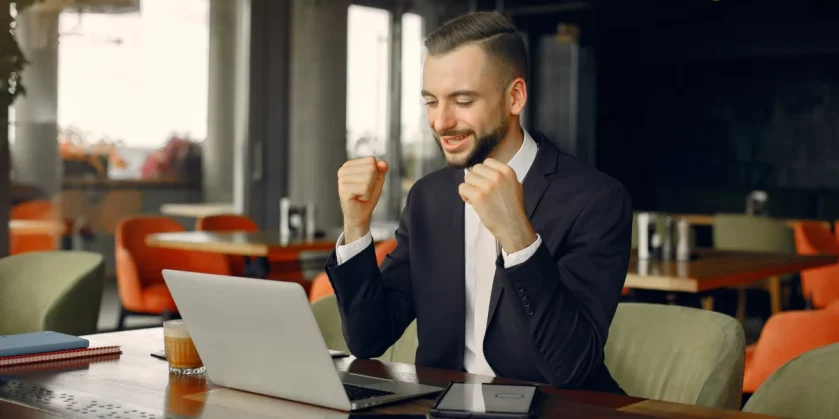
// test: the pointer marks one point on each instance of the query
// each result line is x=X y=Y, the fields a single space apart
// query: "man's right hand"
x=360 y=183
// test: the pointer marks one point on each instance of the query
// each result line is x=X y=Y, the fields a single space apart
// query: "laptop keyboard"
x=359 y=393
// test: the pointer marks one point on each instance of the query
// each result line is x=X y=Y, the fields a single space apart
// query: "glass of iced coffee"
x=180 y=351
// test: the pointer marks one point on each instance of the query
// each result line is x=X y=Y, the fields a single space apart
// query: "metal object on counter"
x=646 y=231
x=683 y=239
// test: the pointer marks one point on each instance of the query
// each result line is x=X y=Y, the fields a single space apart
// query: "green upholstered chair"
x=755 y=234
x=60 y=291
x=329 y=321
x=677 y=354
x=804 y=388
x=750 y=233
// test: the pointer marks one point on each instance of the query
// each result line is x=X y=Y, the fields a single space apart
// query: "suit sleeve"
x=376 y=303
x=567 y=301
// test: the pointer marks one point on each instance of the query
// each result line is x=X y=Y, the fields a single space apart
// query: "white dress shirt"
x=481 y=253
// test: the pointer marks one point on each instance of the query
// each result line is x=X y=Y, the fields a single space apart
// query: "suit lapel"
x=454 y=261
x=534 y=186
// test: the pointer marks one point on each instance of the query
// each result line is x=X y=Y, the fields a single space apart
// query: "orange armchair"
x=321 y=286
x=140 y=283
x=785 y=336
x=38 y=210
x=820 y=286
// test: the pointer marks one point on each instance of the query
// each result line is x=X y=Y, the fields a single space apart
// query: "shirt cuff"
x=517 y=258
x=345 y=252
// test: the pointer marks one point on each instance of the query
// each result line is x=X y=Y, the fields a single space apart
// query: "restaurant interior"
x=205 y=136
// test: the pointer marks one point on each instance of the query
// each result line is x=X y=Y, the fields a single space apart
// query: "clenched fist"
x=497 y=197
x=360 y=184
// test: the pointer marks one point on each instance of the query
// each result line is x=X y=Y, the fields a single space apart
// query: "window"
x=420 y=155
x=368 y=74
x=135 y=79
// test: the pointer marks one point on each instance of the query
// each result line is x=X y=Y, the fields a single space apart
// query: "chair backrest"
x=226 y=222
x=38 y=210
x=329 y=321
x=131 y=235
x=821 y=285
x=750 y=233
x=812 y=237
x=677 y=354
x=787 y=335
x=383 y=249
x=59 y=291
x=803 y=388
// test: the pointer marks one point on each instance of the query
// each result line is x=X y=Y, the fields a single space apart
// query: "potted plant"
x=12 y=63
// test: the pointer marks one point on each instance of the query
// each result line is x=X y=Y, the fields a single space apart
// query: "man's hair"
x=494 y=32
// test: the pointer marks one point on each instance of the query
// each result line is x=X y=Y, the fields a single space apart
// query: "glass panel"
x=135 y=80
x=420 y=155
x=368 y=55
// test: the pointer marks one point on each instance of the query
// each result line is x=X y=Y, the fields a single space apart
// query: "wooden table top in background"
x=261 y=243
x=198 y=210
x=717 y=269
x=20 y=227
x=135 y=383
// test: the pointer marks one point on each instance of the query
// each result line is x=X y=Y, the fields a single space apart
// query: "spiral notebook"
x=93 y=350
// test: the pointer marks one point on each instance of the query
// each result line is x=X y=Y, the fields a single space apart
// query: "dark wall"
x=721 y=97
x=765 y=122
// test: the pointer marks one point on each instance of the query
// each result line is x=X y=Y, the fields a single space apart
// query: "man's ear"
x=518 y=96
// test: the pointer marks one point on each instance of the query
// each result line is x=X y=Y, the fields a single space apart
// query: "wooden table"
x=255 y=247
x=25 y=227
x=198 y=210
x=135 y=385
x=241 y=243
x=714 y=269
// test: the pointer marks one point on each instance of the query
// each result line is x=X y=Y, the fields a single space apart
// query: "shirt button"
x=528 y=311
x=522 y=294
x=518 y=287
x=525 y=302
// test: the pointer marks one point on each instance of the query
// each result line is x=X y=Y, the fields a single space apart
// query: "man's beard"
x=484 y=146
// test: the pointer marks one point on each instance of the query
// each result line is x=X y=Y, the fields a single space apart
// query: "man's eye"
x=464 y=103
x=431 y=103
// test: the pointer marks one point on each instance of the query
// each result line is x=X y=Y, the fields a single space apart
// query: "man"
x=511 y=259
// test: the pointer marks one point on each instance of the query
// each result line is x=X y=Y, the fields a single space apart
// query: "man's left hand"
x=496 y=195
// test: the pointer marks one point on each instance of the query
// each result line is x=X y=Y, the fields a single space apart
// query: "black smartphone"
x=486 y=401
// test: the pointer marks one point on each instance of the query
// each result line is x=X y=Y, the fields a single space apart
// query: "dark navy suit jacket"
x=548 y=317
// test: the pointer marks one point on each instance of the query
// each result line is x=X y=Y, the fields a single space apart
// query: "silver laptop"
x=261 y=336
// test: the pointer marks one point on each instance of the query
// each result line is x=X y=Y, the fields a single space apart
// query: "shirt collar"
x=524 y=158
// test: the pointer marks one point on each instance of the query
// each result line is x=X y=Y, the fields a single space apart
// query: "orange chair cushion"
x=819 y=285
x=785 y=336
x=157 y=299
x=320 y=287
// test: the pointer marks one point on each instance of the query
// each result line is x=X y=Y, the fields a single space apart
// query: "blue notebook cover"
x=38 y=343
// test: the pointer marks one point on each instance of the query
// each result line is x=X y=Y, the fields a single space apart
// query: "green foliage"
x=12 y=60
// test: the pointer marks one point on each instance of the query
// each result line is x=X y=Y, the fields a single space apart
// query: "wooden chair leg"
x=774 y=286
x=741 y=304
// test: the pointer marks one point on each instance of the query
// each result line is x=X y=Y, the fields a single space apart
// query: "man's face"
x=466 y=108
